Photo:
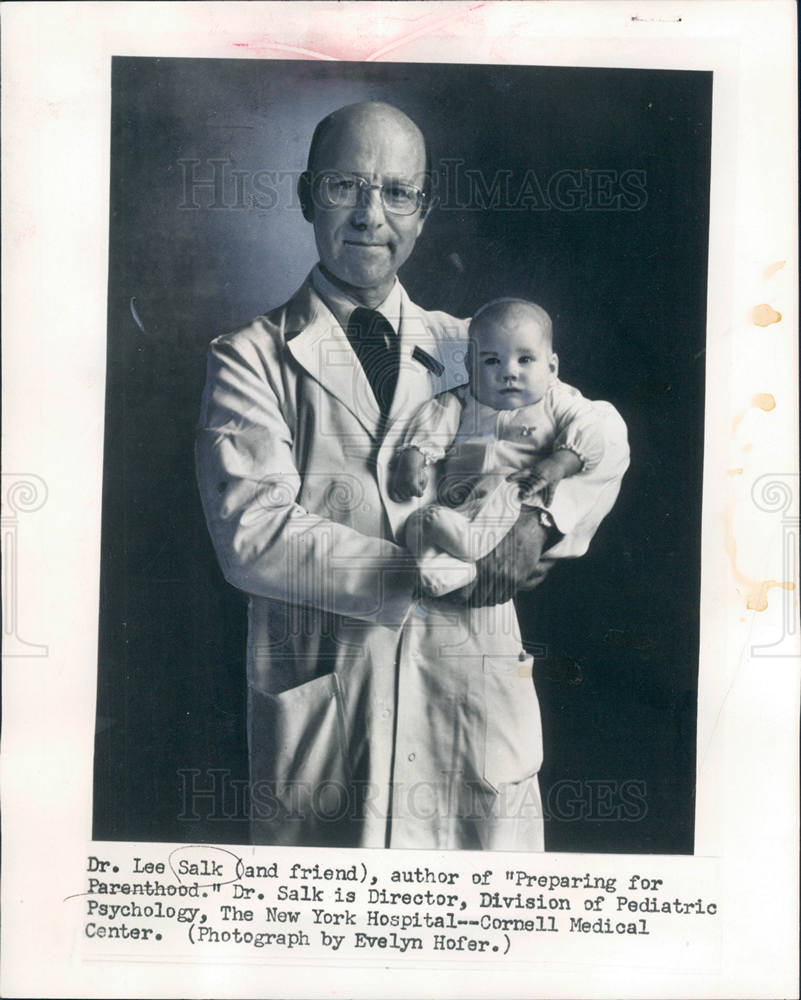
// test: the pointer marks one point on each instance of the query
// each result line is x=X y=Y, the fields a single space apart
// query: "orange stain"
x=771 y=269
x=736 y=472
x=765 y=401
x=764 y=315
x=758 y=599
x=756 y=590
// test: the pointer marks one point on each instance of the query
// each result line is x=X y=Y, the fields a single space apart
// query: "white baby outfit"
x=478 y=448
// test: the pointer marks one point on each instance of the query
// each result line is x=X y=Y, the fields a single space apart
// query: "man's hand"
x=408 y=475
x=514 y=564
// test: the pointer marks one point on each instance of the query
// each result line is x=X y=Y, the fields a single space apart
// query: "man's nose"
x=369 y=209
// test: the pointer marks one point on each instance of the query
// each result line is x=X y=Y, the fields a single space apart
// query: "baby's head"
x=510 y=358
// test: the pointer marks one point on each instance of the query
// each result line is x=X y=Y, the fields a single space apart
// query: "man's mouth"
x=364 y=243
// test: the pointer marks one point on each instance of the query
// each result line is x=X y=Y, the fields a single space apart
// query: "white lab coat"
x=371 y=721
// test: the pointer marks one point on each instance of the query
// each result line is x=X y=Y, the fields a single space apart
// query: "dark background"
x=616 y=632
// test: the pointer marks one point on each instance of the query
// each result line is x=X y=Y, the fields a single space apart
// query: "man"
x=373 y=719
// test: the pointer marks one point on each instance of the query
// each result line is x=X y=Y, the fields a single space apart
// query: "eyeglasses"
x=344 y=191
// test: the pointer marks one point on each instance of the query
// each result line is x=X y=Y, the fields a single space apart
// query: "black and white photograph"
x=400 y=499
x=337 y=654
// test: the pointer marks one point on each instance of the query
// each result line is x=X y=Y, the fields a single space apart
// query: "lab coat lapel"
x=416 y=382
x=320 y=345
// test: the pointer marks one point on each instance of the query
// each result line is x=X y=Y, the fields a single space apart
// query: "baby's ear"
x=553 y=364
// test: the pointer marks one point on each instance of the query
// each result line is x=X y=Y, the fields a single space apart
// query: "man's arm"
x=266 y=542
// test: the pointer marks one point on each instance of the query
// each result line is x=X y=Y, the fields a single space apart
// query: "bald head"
x=347 y=125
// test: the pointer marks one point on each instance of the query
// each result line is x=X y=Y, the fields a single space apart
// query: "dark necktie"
x=378 y=349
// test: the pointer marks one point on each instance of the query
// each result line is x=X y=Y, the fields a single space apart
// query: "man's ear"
x=425 y=208
x=430 y=199
x=305 y=196
x=553 y=364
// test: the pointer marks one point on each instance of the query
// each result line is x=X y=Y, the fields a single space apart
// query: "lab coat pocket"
x=513 y=731
x=298 y=743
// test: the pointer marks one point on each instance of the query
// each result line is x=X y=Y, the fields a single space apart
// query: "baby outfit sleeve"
x=582 y=502
x=578 y=426
x=433 y=426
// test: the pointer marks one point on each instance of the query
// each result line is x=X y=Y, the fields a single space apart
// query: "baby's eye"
x=491 y=361
x=526 y=359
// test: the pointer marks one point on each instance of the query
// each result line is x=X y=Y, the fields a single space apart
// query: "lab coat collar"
x=318 y=342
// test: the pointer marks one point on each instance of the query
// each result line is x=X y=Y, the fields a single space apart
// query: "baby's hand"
x=541 y=480
x=409 y=475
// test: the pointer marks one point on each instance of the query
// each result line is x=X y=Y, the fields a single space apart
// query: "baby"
x=506 y=439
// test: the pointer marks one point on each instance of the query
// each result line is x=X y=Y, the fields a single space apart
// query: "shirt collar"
x=342 y=305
